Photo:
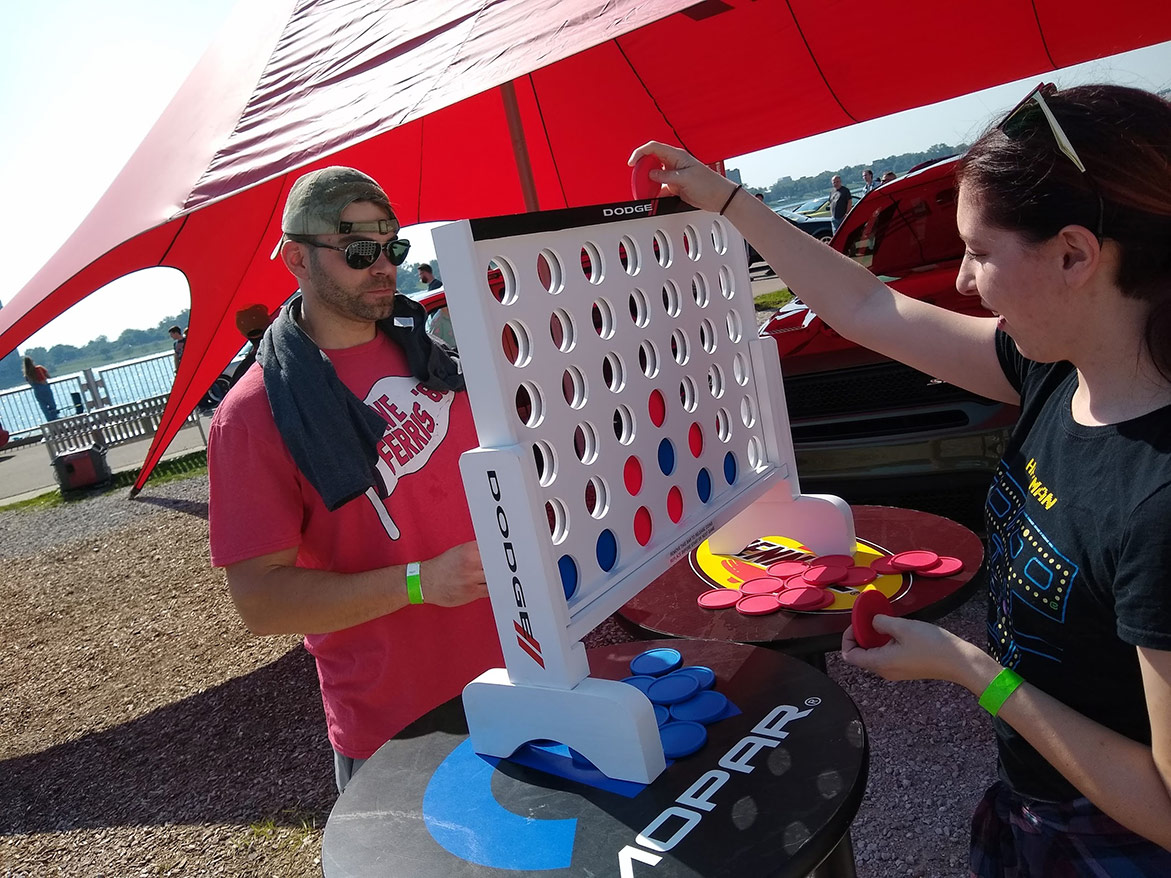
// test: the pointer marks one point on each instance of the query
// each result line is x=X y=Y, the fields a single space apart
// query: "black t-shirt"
x=1079 y=561
x=839 y=203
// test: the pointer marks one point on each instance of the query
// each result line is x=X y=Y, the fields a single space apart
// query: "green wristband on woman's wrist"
x=414 y=583
x=1003 y=685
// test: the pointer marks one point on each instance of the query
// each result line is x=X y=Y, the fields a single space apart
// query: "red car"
x=865 y=427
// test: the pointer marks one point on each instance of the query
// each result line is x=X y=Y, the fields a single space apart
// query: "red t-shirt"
x=379 y=676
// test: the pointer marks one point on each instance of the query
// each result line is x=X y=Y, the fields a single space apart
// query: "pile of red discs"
x=803 y=585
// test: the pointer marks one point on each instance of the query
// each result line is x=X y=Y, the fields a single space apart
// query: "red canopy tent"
x=480 y=107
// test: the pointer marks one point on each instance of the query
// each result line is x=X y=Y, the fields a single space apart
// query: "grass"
x=772 y=301
x=295 y=824
x=183 y=467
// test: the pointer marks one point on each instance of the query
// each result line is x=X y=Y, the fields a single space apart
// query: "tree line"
x=789 y=189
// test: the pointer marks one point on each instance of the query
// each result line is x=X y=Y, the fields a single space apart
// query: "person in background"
x=868 y=181
x=427 y=276
x=38 y=376
x=180 y=342
x=1064 y=209
x=839 y=203
x=337 y=509
x=887 y=176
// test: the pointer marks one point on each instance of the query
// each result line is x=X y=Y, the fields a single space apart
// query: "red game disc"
x=785 y=569
x=642 y=186
x=946 y=566
x=797 y=581
x=764 y=585
x=882 y=566
x=758 y=604
x=866 y=606
x=916 y=559
x=718 y=598
x=823 y=576
x=832 y=561
x=807 y=597
x=856 y=577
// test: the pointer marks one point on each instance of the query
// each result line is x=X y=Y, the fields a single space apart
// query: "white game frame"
x=661 y=303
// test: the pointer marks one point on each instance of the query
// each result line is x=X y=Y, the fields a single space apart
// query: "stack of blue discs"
x=683 y=698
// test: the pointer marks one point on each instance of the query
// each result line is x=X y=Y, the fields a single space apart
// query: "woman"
x=1065 y=212
x=38 y=377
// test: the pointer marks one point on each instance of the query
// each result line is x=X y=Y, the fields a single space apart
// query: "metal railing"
x=109 y=426
x=87 y=391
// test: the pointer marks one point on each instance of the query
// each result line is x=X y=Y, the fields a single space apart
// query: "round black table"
x=668 y=605
x=772 y=793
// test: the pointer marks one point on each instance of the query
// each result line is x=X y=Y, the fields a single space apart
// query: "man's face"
x=355 y=295
x=176 y=335
x=867 y=176
x=425 y=274
x=836 y=182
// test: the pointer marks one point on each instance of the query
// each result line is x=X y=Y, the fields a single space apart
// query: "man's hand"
x=454 y=578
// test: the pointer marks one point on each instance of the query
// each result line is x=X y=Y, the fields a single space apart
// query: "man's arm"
x=273 y=596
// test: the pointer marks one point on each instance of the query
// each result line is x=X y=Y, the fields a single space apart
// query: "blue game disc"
x=656 y=662
x=672 y=688
x=705 y=676
x=682 y=739
x=661 y=714
x=703 y=707
x=641 y=682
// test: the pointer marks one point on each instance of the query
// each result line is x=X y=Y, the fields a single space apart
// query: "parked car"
x=819 y=227
x=865 y=427
x=818 y=207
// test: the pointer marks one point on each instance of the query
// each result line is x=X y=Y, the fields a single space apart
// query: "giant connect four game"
x=626 y=411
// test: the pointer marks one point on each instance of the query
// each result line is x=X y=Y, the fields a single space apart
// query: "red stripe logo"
x=528 y=643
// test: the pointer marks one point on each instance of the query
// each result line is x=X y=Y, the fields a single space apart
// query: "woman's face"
x=1018 y=281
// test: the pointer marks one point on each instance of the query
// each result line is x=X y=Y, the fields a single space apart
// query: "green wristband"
x=1003 y=685
x=414 y=584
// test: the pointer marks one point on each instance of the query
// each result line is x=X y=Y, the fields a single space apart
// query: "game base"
x=609 y=723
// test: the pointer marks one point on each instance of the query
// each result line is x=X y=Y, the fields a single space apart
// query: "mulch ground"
x=145 y=731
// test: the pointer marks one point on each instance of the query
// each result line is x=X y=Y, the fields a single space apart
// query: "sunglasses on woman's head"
x=1022 y=119
x=363 y=254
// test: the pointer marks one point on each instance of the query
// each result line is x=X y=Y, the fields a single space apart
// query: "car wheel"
x=825 y=237
x=216 y=393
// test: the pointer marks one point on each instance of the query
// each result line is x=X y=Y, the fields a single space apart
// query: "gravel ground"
x=145 y=732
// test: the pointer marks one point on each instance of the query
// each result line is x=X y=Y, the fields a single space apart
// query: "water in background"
x=126 y=381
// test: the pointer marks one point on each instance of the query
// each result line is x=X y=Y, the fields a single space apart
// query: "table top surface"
x=668 y=605
x=770 y=794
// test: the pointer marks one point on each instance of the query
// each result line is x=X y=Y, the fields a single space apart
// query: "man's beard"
x=350 y=301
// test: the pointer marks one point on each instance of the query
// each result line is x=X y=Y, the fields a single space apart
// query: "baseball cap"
x=316 y=202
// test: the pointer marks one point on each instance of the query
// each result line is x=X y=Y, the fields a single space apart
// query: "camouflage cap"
x=317 y=199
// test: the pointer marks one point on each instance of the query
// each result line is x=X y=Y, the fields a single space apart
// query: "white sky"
x=81 y=83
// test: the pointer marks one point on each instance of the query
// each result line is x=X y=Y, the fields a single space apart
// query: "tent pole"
x=524 y=167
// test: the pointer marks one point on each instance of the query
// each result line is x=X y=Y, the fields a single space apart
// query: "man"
x=334 y=472
x=179 y=342
x=839 y=203
x=887 y=176
x=868 y=181
x=427 y=276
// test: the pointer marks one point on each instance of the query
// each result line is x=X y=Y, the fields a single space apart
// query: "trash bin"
x=82 y=468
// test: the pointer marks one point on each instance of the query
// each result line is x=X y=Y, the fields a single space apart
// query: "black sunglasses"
x=363 y=254
x=1021 y=119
